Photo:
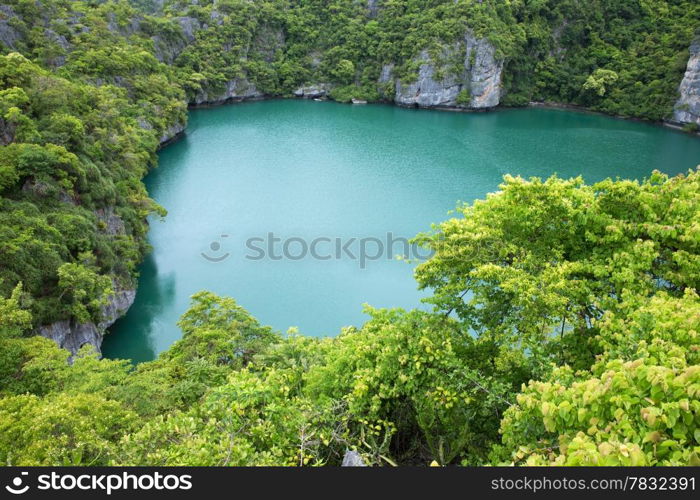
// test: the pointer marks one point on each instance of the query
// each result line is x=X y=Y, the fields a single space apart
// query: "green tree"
x=600 y=81
x=85 y=289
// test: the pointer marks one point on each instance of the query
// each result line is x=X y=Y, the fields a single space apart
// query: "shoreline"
x=453 y=109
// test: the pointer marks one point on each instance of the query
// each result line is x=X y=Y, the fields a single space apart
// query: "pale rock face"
x=687 y=109
x=481 y=77
x=46 y=190
x=386 y=82
x=7 y=132
x=312 y=91
x=172 y=132
x=373 y=7
x=167 y=50
x=428 y=91
x=189 y=26
x=72 y=336
x=8 y=35
x=113 y=223
x=485 y=73
x=238 y=89
x=387 y=73
x=62 y=42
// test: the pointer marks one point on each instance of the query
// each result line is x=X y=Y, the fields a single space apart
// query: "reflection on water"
x=143 y=322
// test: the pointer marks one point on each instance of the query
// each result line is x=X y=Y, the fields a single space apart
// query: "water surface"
x=308 y=170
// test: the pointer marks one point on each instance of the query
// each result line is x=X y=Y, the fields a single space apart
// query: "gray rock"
x=133 y=26
x=312 y=91
x=60 y=40
x=113 y=223
x=687 y=108
x=169 y=48
x=189 y=26
x=172 y=132
x=7 y=132
x=373 y=7
x=481 y=76
x=315 y=59
x=267 y=43
x=168 y=135
x=216 y=17
x=8 y=35
x=72 y=336
x=353 y=459
x=484 y=71
x=428 y=91
x=238 y=89
x=386 y=85
x=387 y=73
x=116 y=307
x=166 y=51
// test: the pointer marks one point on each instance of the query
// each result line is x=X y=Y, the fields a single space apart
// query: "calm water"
x=303 y=170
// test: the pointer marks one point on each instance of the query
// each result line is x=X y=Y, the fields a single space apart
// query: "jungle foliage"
x=99 y=85
x=564 y=331
x=566 y=316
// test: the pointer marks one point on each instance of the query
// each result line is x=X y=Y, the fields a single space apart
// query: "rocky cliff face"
x=172 y=132
x=475 y=83
x=238 y=89
x=8 y=35
x=312 y=91
x=373 y=7
x=687 y=109
x=72 y=336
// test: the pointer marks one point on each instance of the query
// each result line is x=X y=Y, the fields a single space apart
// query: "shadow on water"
x=132 y=336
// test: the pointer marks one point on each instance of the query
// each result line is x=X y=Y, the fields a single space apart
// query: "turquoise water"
x=308 y=171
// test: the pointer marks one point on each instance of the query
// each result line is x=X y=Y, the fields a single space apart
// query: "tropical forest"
x=540 y=157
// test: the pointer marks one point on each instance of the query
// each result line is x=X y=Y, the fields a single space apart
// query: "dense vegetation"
x=565 y=331
x=566 y=318
x=100 y=85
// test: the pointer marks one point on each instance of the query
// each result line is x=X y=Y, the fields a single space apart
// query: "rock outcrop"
x=8 y=35
x=72 y=336
x=166 y=49
x=172 y=132
x=373 y=7
x=312 y=91
x=238 y=89
x=475 y=83
x=111 y=222
x=687 y=109
x=62 y=43
x=7 y=132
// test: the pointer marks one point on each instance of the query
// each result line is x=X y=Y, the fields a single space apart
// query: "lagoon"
x=297 y=209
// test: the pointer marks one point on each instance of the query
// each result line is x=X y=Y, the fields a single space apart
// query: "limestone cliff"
x=687 y=109
x=238 y=89
x=8 y=35
x=72 y=336
x=473 y=83
x=313 y=91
